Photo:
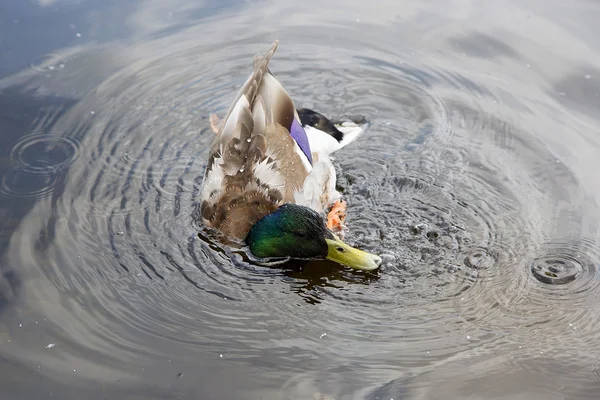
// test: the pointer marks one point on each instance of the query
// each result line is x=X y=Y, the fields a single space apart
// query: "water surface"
x=476 y=183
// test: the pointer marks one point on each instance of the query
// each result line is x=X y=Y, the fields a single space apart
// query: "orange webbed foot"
x=336 y=216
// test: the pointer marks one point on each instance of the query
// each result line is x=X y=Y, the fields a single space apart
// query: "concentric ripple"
x=43 y=153
x=37 y=185
x=558 y=269
x=573 y=266
x=38 y=162
x=545 y=291
x=485 y=245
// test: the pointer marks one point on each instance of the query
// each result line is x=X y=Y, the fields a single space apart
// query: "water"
x=476 y=183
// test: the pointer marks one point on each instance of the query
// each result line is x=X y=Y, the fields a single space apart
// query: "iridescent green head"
x=299 y=232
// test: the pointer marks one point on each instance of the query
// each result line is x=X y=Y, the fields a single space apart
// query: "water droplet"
x=51 y=68
x=120 y=233
x=51 y=345
x=469 y=337
x=221 y=355
x=323 y=335
x=20 y=325
x=78 y=34
x=91 y=112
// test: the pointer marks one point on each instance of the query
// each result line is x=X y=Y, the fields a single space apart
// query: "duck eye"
x=300 y=234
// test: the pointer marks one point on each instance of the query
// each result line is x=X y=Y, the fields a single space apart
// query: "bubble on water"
x=556 y=270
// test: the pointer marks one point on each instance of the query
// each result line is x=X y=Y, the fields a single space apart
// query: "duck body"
x=269 y=179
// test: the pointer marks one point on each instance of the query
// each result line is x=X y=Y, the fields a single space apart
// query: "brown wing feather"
x=259 y=167
x=245 y=120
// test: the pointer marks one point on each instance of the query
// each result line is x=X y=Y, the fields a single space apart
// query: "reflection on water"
x=476 y=183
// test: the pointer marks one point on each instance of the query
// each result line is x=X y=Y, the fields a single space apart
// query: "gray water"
x=476 y=183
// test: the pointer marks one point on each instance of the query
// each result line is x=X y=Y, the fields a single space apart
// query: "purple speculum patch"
x=299 y=135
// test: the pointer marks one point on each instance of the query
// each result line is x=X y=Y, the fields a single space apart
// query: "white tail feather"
x=323 y=143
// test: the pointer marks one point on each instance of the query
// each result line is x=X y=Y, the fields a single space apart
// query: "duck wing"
x=255 y=164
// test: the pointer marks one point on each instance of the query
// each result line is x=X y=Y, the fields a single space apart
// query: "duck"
x=269 y=182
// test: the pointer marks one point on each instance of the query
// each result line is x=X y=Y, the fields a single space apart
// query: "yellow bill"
x=341 y=253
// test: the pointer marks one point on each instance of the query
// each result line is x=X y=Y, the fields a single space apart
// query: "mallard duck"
x=269 y=180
